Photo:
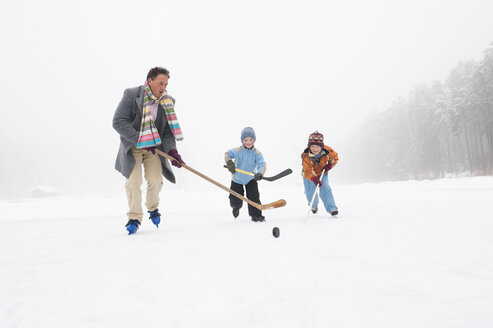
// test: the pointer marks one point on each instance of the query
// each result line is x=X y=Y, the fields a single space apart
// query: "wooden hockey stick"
x=276 y=204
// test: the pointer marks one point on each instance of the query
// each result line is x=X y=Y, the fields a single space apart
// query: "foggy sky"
x=286 y=68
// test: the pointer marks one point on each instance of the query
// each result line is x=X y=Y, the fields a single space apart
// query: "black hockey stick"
x=278 y=176
x=273 y=178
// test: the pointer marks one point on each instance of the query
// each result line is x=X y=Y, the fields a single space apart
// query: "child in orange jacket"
x=315 y=158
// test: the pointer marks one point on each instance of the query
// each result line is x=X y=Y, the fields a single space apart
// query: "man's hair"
x=156 y=71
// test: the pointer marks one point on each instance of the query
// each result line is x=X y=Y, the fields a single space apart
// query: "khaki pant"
x=154 y=178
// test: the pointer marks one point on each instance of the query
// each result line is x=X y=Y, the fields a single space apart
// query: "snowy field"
x=400 y=254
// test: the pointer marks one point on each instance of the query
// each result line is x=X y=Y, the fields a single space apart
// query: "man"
x=146 y=120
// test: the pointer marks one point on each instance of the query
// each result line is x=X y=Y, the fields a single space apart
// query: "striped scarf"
x=149 y=136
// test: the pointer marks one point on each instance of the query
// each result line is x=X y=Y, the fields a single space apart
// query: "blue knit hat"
x=248 y=132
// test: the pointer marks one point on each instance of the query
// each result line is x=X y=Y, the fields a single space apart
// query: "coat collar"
x=140 y=99
x=307 y=151
x=245 y=148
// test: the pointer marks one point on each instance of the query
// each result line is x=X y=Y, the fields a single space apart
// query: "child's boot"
x=259 y=218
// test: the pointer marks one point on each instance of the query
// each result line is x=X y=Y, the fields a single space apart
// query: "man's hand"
x=174 y=153
x=258 y=176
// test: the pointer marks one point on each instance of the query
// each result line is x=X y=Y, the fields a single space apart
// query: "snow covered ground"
x=401 y=254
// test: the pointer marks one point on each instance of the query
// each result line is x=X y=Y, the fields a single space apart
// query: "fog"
x=286 y=68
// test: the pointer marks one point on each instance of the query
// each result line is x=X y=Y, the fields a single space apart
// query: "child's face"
x=315 y=149
x=248 y=142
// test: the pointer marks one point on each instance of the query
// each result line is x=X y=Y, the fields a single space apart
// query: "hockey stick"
x=273 y=178
x=313 y=198
x=276 y=204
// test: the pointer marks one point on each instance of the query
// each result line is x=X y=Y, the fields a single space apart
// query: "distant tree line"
x=438 y=130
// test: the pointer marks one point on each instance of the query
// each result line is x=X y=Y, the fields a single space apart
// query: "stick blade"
x=276 y=204
x=278 y=176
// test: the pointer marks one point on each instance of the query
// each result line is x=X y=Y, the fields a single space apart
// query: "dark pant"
x=252 y=194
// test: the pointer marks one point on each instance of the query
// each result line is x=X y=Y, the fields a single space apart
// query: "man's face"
x=315 y=149
x=248 y=142
x=158 y=85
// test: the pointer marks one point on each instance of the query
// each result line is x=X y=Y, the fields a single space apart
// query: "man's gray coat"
x=127 y=121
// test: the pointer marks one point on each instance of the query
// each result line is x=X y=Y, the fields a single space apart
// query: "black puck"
x=276 y=232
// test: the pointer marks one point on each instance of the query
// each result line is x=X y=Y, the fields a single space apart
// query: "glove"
x=150 y=149
x=258 y=176
x=316 y=181
x=174 y=153
x=231 y=166
x=328 y=167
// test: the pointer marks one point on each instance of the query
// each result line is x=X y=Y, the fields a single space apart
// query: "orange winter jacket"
x=313 y=166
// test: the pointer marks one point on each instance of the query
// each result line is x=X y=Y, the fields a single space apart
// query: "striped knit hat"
x=316 y=138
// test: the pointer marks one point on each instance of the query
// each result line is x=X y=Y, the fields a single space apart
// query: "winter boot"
x=155 y=217
x=334 y=212
x=259 y=218
x=315 y=210
x=236 y=212
x=132 y=226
